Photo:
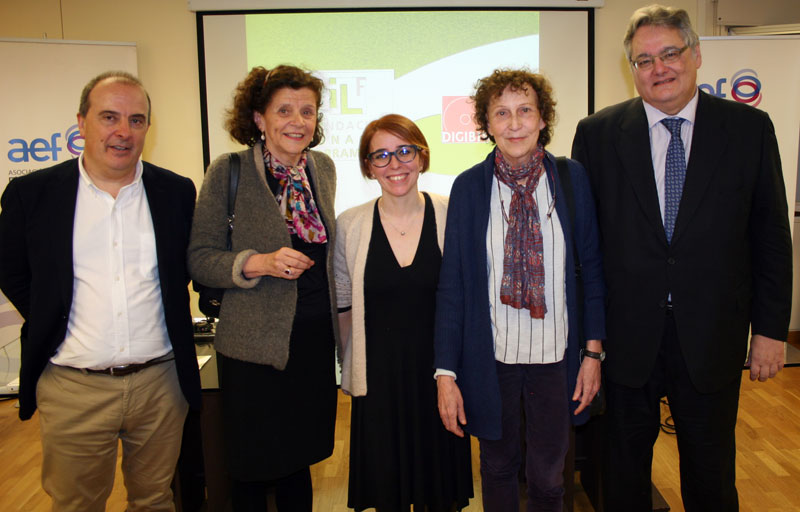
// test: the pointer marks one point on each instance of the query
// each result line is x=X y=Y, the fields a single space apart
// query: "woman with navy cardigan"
x=507 y=321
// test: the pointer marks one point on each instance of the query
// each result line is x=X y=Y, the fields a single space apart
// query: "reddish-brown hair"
x=399 y=126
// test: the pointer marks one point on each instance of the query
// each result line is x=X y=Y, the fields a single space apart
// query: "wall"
x=613 y=81
x=769 y=12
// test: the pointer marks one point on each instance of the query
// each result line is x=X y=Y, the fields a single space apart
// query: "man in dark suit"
x=92 y=254
x=697 y=251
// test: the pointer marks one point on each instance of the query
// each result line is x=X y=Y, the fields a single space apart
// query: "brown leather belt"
x=121 y=371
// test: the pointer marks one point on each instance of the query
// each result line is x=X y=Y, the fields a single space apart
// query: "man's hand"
x=766 y=357
x=451 y=405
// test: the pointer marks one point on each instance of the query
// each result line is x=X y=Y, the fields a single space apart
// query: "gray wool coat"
x=257 y=314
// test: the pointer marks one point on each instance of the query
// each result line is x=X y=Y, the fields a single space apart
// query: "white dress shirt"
x=518 y=338
x=660 y=136
x=117 y=314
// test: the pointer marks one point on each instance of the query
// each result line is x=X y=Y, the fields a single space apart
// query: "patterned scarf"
x=295 y=199
x=523 y=260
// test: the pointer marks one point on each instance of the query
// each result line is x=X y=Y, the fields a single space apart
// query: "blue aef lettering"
x=37 y=149
x=21 y=151
x=39 y=146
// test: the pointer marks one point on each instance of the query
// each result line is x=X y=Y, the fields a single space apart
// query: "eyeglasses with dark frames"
x=404 y=154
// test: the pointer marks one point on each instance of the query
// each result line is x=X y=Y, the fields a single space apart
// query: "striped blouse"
x=518 y=338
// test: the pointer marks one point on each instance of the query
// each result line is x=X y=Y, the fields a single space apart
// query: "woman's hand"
x=588 y=383
x=451 y=404
x=285 y=263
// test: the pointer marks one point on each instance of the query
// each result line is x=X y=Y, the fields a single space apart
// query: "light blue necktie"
x=675 y=174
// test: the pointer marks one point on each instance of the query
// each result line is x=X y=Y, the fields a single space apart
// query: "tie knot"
x=673 y=124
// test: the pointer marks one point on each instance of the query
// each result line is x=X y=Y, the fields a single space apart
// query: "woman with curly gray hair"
x=507 y=312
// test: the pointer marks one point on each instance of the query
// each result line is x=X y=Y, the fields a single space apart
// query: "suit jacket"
x=463 y=334
x=730 y=261
x=36 y=268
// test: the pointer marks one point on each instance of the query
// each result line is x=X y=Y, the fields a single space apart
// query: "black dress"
x=400 y=454
x=277 y=422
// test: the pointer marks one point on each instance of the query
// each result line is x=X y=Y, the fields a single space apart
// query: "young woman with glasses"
x=387 y=258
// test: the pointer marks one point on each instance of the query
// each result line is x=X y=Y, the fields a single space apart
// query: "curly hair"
x=399 y=126
x=254 y=93
x=660 y=16
x=493 y=86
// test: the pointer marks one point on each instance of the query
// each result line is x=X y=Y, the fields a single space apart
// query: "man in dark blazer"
x=92 y=254
x=697 y=252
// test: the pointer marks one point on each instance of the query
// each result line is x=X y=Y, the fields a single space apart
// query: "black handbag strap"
x=569 y=198
x=233 y=162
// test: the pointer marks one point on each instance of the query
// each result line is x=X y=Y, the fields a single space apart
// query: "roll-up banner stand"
x=761 y=72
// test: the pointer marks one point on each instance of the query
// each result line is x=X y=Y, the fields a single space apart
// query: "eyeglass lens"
x=404 y=154
x=669 y=56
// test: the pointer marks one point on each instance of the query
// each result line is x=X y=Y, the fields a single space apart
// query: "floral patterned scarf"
x=522 y=286
x=295 y=199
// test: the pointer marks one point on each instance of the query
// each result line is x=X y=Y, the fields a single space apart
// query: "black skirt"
x=278 y=422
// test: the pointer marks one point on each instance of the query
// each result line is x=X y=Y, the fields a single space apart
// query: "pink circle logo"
x=457 y=124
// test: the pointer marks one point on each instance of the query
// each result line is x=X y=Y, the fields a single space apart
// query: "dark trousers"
x=542 y=388
x=704 y=424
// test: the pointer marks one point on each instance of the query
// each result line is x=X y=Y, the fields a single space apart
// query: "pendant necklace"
x=386 y=218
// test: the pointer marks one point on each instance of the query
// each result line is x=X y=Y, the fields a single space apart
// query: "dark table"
x=202 y=482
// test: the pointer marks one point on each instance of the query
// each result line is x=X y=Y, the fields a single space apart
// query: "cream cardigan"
x=353 y=232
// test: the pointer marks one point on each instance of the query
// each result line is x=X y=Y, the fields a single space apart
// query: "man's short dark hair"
x=116 y=76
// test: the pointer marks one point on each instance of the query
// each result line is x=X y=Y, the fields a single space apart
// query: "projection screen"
x=419 y=63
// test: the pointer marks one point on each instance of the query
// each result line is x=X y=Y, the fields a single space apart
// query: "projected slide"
x=421 y=64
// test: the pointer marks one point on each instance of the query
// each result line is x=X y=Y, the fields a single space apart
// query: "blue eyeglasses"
x=404 y=154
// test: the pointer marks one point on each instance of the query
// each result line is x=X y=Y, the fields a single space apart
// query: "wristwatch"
x=600 y=356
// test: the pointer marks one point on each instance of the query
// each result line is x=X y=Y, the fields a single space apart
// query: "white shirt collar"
x=688 y=112
x=137 y=177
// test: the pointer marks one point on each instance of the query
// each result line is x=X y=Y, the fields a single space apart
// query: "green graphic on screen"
x=419 y=64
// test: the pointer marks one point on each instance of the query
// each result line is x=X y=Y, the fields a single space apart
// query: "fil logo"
x=44 y=149
x=745 y=87
x=343 y=98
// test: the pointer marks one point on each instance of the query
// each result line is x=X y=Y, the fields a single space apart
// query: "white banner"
x=762 y=72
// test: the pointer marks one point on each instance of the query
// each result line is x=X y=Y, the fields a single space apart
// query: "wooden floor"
x=768 y=457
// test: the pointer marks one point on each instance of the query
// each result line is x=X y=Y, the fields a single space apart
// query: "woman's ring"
x=288 y=271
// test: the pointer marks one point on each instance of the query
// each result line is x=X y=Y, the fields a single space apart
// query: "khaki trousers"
x=83 y=417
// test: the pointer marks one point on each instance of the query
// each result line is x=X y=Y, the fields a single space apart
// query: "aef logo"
x=42 y=150
x=745 y=87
